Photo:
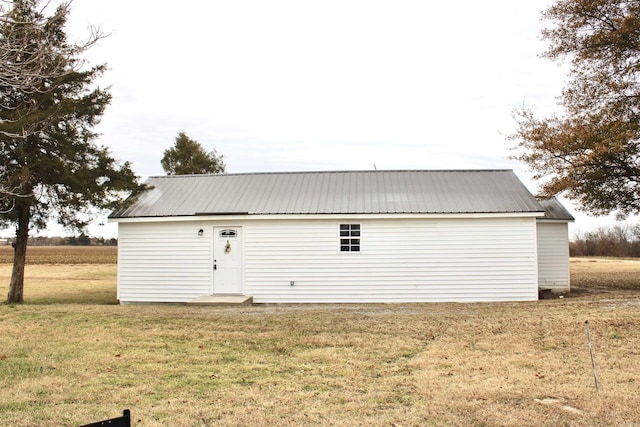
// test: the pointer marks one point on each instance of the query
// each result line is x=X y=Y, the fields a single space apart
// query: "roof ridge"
x=332 y=171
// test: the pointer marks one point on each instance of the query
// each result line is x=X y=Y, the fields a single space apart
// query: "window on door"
x=228 y=233
x=349 y=237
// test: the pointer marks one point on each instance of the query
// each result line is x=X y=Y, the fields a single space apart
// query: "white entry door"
x=227 y=260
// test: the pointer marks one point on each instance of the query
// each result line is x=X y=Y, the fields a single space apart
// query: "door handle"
x=215 y=266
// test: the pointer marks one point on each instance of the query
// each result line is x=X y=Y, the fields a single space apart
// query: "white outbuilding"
x=342 y=237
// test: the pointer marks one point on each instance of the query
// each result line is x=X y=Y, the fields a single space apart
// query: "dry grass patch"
x=348 y=365
x=69 y=359
x=66 y=284
x=605 y=273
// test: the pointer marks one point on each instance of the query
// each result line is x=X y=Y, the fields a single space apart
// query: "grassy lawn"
x=70 y=355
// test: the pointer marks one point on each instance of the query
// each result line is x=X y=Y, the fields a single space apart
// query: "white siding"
x=553 y=256
x=401 y=260
x=163 y=262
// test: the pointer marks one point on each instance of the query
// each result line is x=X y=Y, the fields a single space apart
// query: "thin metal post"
x=593 y=363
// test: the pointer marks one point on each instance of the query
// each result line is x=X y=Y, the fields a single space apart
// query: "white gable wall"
x=553 y=256
x=401 y=260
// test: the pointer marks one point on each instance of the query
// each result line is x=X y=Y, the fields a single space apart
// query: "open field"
x=70 y=355
x=605 y=274
x=64 y=255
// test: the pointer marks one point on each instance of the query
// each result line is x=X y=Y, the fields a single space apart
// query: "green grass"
x=70 y=355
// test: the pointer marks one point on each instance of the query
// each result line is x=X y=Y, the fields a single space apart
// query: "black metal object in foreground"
x=123 y=421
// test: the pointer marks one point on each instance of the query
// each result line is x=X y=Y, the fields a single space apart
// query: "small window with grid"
x=349 y=237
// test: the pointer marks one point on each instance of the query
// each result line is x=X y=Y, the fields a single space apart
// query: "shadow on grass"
x=586 y=291
x=77 y=298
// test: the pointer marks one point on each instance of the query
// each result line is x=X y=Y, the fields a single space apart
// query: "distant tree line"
x=84 y=240
x=617 y=241
x=81 y=240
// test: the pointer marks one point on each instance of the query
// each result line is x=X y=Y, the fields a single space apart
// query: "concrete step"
x=222 y=300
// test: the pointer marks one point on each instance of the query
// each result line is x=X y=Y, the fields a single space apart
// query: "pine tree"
x=47 y=139
x=188 y=157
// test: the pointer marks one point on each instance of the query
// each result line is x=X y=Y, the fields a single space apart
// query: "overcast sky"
x=321 y=84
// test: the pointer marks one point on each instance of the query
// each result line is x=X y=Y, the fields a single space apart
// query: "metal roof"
x=553 y=210
x=337 y=192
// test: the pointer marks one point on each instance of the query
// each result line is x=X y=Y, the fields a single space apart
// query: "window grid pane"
x=347 y=243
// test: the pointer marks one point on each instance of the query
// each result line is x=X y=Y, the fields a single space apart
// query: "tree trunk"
x=16 y=286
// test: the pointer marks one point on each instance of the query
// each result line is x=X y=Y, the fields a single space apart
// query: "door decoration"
x=227 y=247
